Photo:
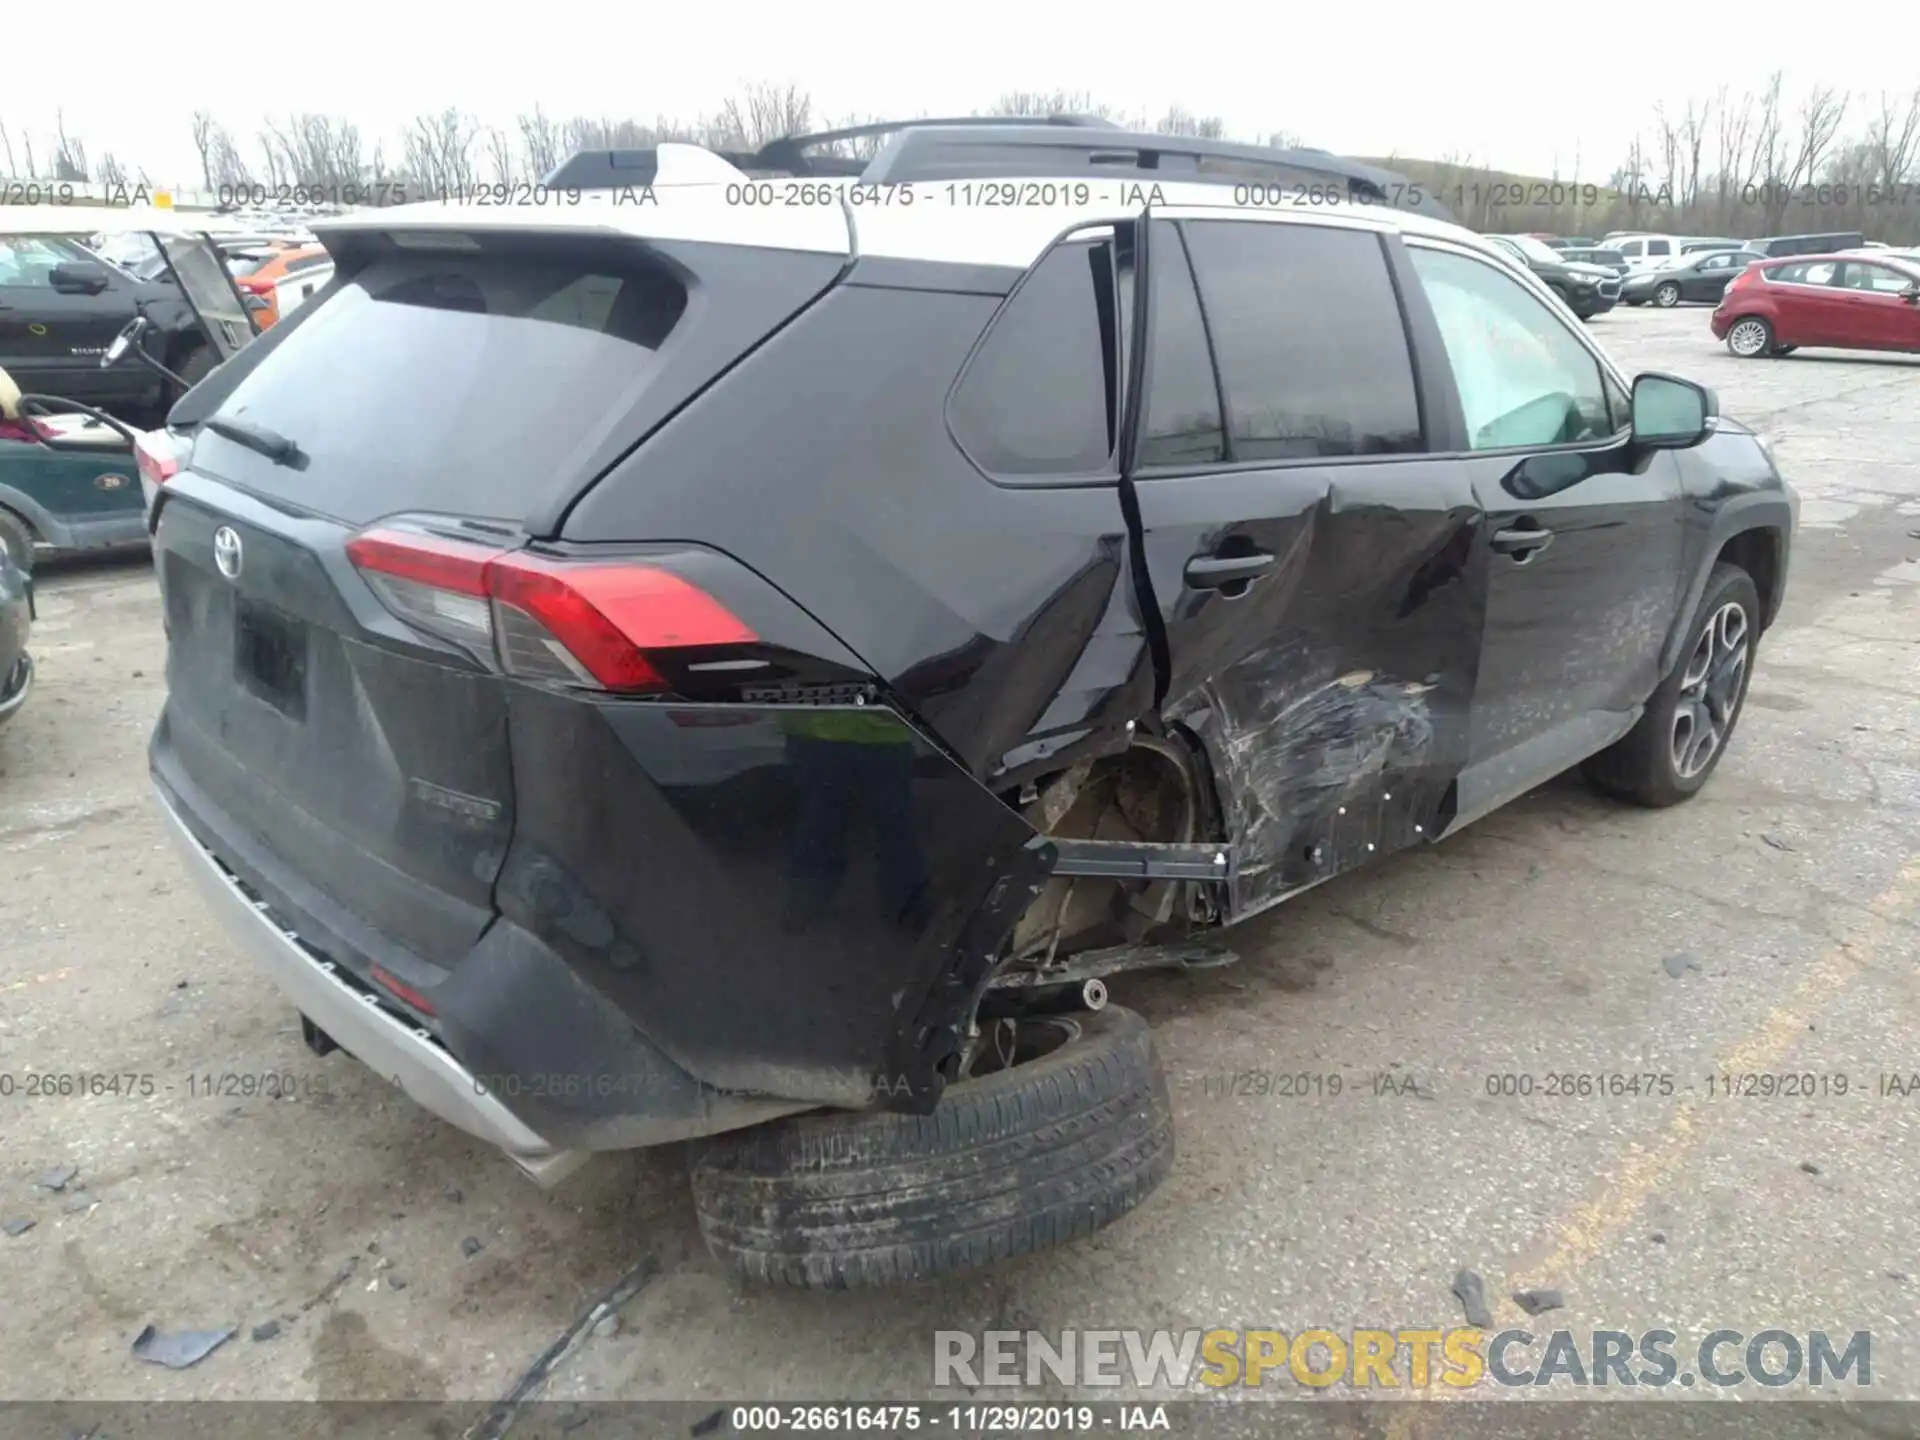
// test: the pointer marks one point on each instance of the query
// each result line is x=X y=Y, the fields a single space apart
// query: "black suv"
x=61 y=306
x=658 y=665
x=1586 y=289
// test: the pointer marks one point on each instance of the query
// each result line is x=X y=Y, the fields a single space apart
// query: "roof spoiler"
x=986 y=146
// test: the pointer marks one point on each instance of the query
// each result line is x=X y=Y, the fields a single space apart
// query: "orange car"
x=265 y=273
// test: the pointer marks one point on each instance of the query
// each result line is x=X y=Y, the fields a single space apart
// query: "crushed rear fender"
x=799 y=901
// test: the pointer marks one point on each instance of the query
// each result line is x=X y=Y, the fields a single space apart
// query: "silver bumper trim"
x=409 y=1057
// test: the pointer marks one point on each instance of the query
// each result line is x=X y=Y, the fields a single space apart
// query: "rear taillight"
x=584 y=622
x=158 y=456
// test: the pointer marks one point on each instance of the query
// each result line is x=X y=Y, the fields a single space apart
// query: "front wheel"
x=1689 y=719
x=1750 y=338
x=1666 y=295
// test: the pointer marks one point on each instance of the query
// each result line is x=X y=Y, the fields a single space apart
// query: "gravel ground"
x=1774 y=924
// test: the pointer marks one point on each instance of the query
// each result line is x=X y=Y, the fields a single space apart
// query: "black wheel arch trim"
x=1767 y=511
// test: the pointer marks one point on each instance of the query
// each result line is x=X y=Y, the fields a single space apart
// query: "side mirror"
x=79 y=279
x=128 y=337
x=1670 y=413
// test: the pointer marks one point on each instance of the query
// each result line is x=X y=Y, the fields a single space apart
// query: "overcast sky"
x=1524 y=88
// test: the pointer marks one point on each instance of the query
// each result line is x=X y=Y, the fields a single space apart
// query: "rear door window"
x=1309 y=340
x=1037 y=397
x=1181 y=424
x=1659 y=247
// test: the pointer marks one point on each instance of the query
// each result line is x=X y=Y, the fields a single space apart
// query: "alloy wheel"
x=1667 y=296
x=1748 y=338
x=1710 y=690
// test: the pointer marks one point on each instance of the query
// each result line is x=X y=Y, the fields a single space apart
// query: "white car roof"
x=981 y=222
x=82 y=220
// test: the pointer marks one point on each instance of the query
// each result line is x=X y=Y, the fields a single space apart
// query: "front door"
x=51 y=340
x=1709 y=279
x=1312 y=564
x=1582 y=538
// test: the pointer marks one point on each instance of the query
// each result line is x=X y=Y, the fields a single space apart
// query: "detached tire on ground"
x=1016 y=1160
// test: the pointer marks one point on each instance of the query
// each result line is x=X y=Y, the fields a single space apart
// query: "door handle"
x=1521 y=541
x=1216 y=572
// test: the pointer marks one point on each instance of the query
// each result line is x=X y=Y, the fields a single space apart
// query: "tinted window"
x=1034 y=399
x=1308 y=335
x=457 y=382
x=1631 y=249
x=1878 y=278
x=1659 y=247
x=1523 y=378
x=29 y=259
x=1181 y=425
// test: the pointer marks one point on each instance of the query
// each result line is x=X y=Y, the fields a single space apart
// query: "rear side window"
x=1181 y=425
x=1309 y=340
x=463 y=383
x=1659 y=247
x=1036 y=397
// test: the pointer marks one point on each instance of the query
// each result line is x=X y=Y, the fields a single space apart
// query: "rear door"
x=1872 y=308
x=1312 y=564
x=1583 y=537
x=1809 y=311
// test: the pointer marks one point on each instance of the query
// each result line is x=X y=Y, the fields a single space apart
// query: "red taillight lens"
x=584 y=622
x=158 y=456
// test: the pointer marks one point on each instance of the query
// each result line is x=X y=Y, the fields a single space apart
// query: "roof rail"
x=612 y=169
x=982 y=147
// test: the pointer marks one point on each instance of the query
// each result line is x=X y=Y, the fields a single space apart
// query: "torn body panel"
x=1333 y=697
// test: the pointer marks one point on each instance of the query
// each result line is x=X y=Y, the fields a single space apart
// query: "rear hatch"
x=335 y=731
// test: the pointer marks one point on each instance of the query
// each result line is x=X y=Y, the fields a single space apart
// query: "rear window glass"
x=461 y=383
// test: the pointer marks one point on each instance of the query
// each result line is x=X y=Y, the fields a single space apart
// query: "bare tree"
x=203 y=144
x=1284 y=140
x=1181 y=121
x=6 y=147
x=500 y=155
x=112 y=173
x=764 y=112
x=539 y=142
x=1893 y=135
x=439 y=156
x=1049 y=102
x=323 y=153
x=70 y=155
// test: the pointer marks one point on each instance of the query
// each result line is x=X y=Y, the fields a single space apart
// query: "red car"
x=1776 y=306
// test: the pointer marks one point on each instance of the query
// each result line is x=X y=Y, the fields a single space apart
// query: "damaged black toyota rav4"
x=659 y=667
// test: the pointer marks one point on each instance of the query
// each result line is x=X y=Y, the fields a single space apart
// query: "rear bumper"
x=547 y=1121
x=408 y=1057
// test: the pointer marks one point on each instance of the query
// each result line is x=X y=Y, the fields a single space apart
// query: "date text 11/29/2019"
x=959 y=1419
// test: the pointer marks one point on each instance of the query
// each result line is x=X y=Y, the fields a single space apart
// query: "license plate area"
x=270 y=656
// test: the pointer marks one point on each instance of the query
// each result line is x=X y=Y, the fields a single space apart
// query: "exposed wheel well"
x=1758 y=553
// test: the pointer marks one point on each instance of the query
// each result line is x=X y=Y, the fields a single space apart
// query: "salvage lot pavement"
x=1771 y=925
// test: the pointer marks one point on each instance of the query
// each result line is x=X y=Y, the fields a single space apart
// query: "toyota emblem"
x=226 y=551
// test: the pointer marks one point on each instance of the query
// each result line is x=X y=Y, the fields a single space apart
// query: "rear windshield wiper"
x=270 y=443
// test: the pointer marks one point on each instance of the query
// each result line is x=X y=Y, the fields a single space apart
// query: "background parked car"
x=1828 y=243
x=1587 y=290
x=1643 y=250
x=1596 y=255
x=1702 y=277
x=1720 y=242
x=16 y=616
x=1775 y=307
x=1567 y=242
x=281 y=277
